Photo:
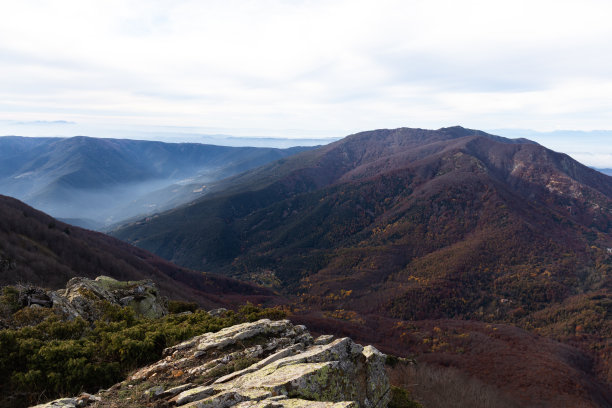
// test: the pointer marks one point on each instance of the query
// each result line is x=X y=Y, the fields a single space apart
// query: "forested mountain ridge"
x=106 y=180
x=375 y=180
x=414 y=224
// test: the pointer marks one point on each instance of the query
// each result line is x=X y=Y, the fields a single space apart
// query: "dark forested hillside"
x=100 y=181
x=37 y=249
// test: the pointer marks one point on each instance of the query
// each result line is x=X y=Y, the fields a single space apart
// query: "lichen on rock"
x=284 y=369
x=84 y=297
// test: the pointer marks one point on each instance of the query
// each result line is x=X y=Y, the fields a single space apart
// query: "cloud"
x=44 y=122
x=333 y=66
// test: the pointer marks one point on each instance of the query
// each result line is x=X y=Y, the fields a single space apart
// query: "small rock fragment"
x=217 y=312
x=153 y=392
x=194 y=394
x=324 y=339
x=171 y=392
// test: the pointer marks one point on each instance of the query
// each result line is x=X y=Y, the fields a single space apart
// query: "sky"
x=304 y=69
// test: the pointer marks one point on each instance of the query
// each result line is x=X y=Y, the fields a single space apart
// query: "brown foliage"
x=524 y=367
x=36 y=249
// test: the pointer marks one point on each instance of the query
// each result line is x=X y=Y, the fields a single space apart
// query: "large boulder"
x=264 y=364
x=82 y=297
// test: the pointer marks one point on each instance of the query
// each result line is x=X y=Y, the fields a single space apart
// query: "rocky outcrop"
x=81 y=294
x=31 y=295
x=82 y=401
x=264 y=364
x=84 y=297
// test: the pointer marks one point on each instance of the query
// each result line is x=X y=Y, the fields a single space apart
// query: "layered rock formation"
x=264 y=364
x=82 y=297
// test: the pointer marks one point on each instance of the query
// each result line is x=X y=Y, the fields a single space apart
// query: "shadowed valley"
x=97 y=182
x=37 y=249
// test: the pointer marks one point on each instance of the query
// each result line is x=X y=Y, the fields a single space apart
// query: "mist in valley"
x=98 y=183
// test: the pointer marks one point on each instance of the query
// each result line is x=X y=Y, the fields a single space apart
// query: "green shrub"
x=391 y=360
x=55 y=357
x=10 y=298
x=178 y=306
x=252 y=313
x=31 y=316
x=400 y=398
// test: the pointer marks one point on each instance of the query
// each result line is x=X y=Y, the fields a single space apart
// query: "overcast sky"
x=304 y=68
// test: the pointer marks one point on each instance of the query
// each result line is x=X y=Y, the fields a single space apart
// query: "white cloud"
x=318 y=66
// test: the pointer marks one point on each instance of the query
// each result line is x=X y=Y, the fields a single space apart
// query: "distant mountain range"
x=96 y=182
x=413 y=224
x=606 y=171
x=37 y=249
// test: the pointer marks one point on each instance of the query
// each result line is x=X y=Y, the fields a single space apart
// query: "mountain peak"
x=394 y=171
x=459 y=130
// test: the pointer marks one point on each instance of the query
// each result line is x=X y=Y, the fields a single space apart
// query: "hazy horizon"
x=313 y=70
x=592 y=148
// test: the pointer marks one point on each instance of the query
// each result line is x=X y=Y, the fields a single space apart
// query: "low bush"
x=55 y=357
x=400 y=398
x=178 y=306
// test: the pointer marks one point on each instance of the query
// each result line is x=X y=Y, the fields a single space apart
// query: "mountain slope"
x=84 y=177
x=414 y=224
x=606 y=171
x=404 y=192
x=37 y=249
